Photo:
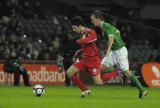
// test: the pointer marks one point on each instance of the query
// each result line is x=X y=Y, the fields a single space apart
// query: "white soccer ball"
x=38 y=90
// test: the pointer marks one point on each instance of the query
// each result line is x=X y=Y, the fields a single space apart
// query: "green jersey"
x=109 y=30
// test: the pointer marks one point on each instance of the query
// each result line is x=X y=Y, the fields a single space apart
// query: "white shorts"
x=118 y=58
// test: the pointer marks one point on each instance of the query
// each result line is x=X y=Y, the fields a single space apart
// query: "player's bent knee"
x=71 y=71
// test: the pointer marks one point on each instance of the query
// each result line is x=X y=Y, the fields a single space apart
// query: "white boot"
x=85 y=93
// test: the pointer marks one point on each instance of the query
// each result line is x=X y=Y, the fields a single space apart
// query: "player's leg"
x=123 y=64
x=105 y=64
x=124 y=80
x=25 y=77
x=107 y=76
x=71 y=73
x=102 y=79
x=96 y=75
x=16 y=78
x=136 y=82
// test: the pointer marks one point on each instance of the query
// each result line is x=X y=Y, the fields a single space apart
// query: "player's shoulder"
x=105 y=24
x=109 y=26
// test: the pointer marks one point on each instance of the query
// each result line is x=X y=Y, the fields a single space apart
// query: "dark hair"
x=98 y=14
x=77 y=20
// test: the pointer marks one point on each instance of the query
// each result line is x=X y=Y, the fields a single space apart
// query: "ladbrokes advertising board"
x=39 y=74
x=151 y=74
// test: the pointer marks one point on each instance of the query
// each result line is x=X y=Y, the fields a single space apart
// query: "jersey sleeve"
x=89 y=36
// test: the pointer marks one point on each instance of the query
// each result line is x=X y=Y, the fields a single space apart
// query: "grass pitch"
x=69 y=97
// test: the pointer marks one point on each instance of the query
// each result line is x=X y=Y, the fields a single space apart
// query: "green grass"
x=69 y=97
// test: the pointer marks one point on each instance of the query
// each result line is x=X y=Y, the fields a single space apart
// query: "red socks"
x=108 y=76
x=82 y=87
x=78 y=82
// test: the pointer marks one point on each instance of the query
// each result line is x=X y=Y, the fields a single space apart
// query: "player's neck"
x=101 y=24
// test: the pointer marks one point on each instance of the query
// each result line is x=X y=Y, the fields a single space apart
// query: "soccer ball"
x=38 y=90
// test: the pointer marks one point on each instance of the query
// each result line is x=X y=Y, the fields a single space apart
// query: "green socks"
x=136 y=82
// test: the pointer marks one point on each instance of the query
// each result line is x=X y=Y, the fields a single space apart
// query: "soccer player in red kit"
x=90 y=61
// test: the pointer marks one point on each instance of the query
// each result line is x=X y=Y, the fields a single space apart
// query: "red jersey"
x=88 y=43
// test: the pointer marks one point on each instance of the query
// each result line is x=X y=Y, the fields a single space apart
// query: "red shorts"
x=91 y=65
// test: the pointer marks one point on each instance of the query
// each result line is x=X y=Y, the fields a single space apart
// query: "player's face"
x=94 y=20
x=76 y=29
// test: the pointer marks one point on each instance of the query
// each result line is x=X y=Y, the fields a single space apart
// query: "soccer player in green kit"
x=116 y=53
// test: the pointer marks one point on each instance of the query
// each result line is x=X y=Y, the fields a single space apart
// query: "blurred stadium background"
x=37 y=31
